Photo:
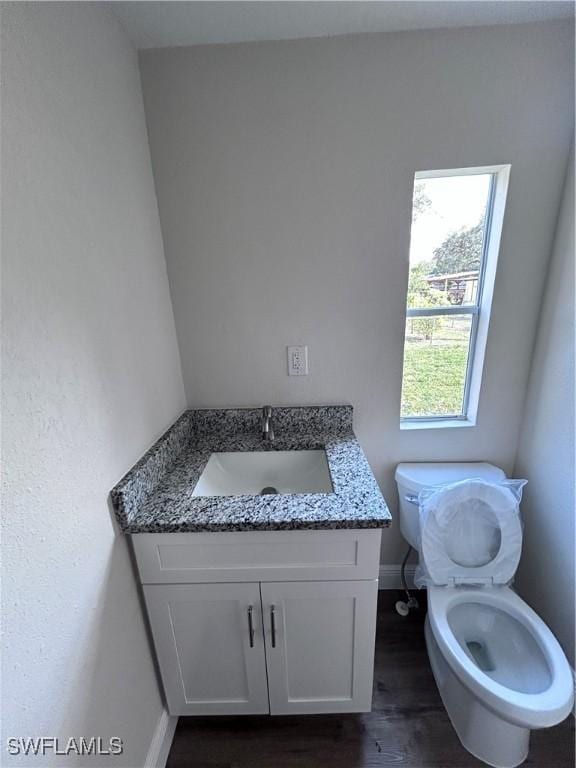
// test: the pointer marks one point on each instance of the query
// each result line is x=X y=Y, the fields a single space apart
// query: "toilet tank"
x=411 y=478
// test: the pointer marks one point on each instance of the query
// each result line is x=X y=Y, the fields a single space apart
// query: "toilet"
x=499 y=669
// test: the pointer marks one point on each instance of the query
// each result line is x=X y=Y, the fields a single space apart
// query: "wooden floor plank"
x=407 y=728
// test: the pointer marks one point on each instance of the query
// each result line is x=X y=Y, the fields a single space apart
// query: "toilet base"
x=484 y=734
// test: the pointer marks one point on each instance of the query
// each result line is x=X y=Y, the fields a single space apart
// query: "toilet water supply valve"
x=403 y=606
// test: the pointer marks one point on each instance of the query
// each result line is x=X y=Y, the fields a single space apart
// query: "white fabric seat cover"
x=471 y=533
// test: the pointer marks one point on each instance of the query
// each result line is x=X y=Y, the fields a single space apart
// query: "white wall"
x=546 y=448
x=284 y=178
x=91 y=375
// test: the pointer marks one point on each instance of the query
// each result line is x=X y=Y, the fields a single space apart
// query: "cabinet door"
x=210 y=647
x=319 y=645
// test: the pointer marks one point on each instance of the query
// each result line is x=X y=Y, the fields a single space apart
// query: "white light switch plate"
x=297 y=361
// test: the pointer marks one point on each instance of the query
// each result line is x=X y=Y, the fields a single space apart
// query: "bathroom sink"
x=264 y=472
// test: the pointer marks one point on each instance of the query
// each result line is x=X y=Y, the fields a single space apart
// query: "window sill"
x=436 y=424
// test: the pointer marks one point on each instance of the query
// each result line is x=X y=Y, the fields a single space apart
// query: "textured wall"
x=546 y=448
x=91 y=375
x=284 y=179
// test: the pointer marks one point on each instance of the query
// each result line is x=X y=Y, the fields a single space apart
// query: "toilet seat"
x=470 y=534
x=529 y=710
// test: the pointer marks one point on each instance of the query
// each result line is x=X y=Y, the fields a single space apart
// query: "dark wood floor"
x=408 y=727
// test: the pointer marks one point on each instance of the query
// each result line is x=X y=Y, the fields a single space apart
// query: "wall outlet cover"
x=297 y=361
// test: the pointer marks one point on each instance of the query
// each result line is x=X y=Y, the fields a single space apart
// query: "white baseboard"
x=161 y=741
x=389 y=577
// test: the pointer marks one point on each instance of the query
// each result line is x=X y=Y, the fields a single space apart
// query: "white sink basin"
x=253 y=472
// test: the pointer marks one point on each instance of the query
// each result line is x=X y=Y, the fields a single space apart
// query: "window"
x=456 y=224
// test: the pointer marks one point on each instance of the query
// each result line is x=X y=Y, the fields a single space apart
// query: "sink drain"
x=269 y=489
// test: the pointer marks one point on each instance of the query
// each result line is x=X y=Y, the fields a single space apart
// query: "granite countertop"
x=155 y=496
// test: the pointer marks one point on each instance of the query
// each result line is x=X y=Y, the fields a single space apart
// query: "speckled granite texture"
x=155 y=496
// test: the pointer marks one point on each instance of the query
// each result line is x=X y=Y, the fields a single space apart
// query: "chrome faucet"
x=266 y=424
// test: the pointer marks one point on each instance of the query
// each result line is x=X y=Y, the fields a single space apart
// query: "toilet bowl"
x=499 y=669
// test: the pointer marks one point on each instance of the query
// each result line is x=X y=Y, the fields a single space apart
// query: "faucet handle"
x=267 y=411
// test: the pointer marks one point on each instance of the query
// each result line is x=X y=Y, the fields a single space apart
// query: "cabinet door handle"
x=273 y=624
x=251 y=626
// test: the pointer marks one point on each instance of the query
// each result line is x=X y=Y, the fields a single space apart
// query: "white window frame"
x=480 y=312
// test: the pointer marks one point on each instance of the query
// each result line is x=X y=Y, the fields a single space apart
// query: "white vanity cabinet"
x=279 y=622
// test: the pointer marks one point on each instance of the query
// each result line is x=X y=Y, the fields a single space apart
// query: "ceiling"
x=152 y=24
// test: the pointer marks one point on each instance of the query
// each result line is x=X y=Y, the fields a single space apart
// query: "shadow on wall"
x=117 y=633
